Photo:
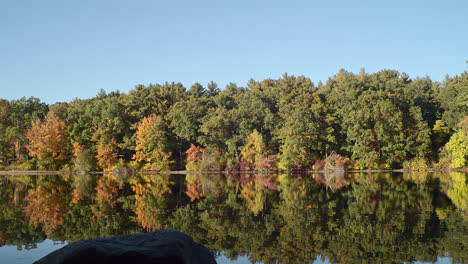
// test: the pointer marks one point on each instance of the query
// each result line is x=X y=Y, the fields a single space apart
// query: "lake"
x=247 y=218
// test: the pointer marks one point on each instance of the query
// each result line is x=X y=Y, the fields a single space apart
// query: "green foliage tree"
x=212 y=88
x=185 y=117
x=196 y=90
x=382 y=127
x=6 y=137
x=84 y=159
x=440 y=134
x=307 y=134
x=23 y=113
x=79 y=121
x=453 y=97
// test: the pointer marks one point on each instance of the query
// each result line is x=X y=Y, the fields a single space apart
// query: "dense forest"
x=383 y=120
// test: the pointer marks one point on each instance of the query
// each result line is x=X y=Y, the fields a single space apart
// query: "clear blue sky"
x=60 y=50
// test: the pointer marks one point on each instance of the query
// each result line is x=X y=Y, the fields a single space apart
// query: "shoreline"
x=184 y=172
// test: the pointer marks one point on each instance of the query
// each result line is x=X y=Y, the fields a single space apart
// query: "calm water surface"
x=315 y=218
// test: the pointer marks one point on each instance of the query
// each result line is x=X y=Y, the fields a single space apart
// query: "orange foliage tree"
x=106 y=196
x=77 y=149
x=77 y=196
x=48 y=140
x=194 y=187
x=194 y=156
x=106 y=149
x=106 y=190
x=194 y=191
x=46 y=206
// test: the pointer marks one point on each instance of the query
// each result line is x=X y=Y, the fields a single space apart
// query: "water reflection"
x=269 y=218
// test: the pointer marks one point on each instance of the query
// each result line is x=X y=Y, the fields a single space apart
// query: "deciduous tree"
x=106 y=149
x=48 y=140
x=152 y=144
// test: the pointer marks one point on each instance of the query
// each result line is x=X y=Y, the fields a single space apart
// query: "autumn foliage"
x=46 y=207
x=77 y=196
x=48 y=139
x=194 y=187
x=77 y=149
x=152 y=200
x=106 y=149
x=142 y=142
x=253 y=154
x=144 y=219
x=152 y=146
x=194 y=191
x=254 y=148
x=254 y=196
x=106 y=196
x=194 y=156
x=107 y=190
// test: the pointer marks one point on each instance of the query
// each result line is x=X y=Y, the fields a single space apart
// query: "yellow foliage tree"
x=254 y=149
x=152 y=146
x=152 y=200
x=458 y=145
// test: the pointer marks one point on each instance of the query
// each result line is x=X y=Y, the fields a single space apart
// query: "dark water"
x=373 y=218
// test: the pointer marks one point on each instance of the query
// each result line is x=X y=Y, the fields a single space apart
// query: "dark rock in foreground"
x=164 y=246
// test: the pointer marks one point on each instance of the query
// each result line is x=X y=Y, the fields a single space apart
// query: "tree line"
x=381 y=120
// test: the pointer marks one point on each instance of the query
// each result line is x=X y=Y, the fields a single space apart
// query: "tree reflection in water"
x=270 y=218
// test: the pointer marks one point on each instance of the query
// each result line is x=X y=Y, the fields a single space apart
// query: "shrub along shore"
x=379 y=121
